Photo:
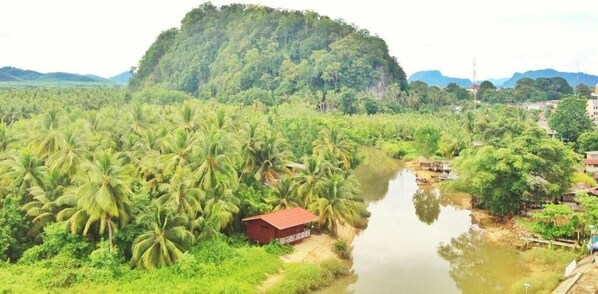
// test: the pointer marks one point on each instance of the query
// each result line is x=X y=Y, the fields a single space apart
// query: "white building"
x=592 y=109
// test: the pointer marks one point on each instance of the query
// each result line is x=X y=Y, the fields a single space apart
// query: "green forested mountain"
x=572 y=78
x=436 y=78
x=240 y=53
x=17 y=75
x=122 y=78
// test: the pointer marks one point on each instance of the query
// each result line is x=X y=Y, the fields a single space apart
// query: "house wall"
x=592 y=110
x=592 y=155
x=590 y=168
x=260 y=231
x=289 y=231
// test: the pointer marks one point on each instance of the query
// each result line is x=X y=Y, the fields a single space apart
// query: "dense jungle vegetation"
x=244 y=110
x=89 y=181
x=242 y=53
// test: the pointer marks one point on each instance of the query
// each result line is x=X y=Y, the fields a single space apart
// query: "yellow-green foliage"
x=304 y=278
x=240 y=270
x=583 y=178
x=549 y=257
x=551 y=264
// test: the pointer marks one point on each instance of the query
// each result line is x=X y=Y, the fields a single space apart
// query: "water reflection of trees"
x=427 y=205
x=478 y=266
x=375 y=173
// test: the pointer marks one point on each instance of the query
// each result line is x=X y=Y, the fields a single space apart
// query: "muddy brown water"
x=414 y=244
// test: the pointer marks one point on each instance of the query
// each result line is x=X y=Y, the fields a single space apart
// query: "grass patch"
x=548 y=264
x=304 y=278
x=214 y=267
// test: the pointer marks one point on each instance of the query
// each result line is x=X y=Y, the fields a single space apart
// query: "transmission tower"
x=474 y=86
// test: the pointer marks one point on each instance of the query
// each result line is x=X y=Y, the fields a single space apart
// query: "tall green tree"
x=570 y=119
x=427 y=140
x=531 y=167
x=587 y=141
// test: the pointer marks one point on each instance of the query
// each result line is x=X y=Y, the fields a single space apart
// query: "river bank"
x=418 y=232
x=510 y=233
x=317 y=249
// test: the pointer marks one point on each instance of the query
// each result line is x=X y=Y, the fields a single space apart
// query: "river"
x=416 y=242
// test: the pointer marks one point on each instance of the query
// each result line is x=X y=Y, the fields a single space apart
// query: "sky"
x=108 y=37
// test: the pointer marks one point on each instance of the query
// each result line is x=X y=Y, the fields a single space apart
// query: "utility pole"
x=474 y=87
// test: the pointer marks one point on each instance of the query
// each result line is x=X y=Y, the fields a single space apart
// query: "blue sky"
x=107 y=37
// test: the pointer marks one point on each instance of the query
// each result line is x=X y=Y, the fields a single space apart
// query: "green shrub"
x=103 y=257
x=13 y=229
x=337 y=268
x=555 y=221
x=393 y=149
x=213 y=251
x=187 y=265
x=57 y=240
x=278 y=249
x=342 y=249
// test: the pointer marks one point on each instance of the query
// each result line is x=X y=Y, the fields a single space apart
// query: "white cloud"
x=106 y=37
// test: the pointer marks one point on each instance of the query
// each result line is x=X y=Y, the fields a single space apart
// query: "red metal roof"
x=286 y=218
x=591 y=161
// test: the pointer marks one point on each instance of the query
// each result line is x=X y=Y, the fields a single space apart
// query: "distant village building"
x=595 y=94
x=592 y=109
x=591 y=162
x=285 y=226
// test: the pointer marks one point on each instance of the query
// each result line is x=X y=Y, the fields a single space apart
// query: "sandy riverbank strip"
x=315 y=249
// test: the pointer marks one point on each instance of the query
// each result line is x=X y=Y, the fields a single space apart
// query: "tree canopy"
x=242 y=53
x=570 y=119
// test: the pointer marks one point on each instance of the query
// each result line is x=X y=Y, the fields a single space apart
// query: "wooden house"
x=285 y=226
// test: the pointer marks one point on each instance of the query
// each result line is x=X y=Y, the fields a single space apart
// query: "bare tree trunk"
x=109 y=233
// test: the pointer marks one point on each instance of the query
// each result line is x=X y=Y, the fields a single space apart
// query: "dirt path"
x=315 y=249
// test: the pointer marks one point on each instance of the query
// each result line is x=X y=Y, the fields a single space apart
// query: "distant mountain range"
x=573 y=78
x=17 y=76
x=122 y=78
x=435 y=78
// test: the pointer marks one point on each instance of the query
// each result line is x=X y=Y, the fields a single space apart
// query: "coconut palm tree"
x=104 y=193
x=178 y=150
x=267 y=157
x=5 y=138
x=49 y=138
x=164 y=242
x=215 y=164
x=336 y=205
x=45 y=205
x=187 y=119
x=284 y=194
x=332 y=141
x=180 y=195
x=72 y=153
x=219 y=207
x=24 y=171
x=310 y=181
